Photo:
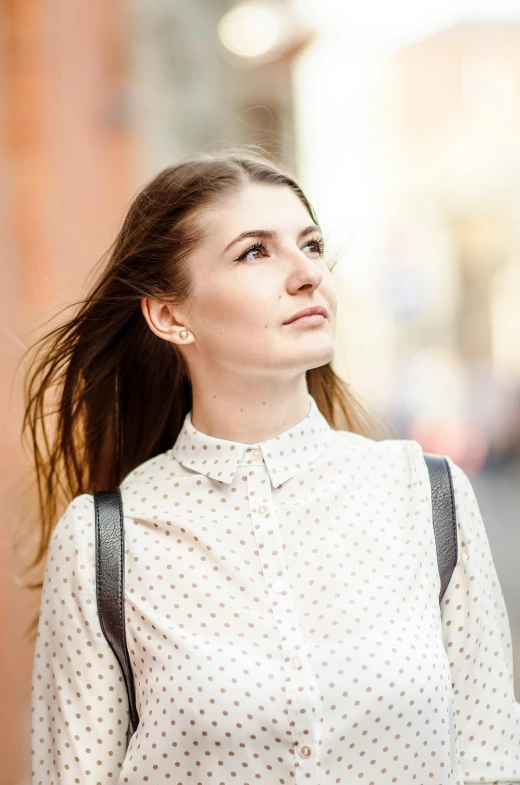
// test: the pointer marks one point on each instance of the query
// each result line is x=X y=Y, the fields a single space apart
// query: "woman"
x=281 y=578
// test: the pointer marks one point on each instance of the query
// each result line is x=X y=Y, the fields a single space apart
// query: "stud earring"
x=183 y=334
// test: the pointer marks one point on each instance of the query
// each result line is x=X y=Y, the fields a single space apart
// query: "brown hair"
x=85 y=421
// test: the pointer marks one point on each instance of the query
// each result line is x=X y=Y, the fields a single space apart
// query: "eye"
x=318 y=242
x=255 y=247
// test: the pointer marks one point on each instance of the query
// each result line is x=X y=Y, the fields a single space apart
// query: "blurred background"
x=402 y=122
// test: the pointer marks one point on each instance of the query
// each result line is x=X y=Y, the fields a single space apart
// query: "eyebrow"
x=268 y=234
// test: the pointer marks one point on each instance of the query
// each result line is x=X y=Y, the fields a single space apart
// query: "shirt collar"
x=284 y=455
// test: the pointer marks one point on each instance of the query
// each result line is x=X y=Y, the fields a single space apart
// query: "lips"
x=319 y=309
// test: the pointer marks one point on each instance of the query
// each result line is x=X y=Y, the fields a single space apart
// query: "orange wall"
x=67 y=171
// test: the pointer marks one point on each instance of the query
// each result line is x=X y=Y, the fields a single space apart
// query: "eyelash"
x=319 y=241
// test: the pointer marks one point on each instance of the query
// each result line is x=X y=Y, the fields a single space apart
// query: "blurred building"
x=67 y=168
x=219 y=73
x=452 y=265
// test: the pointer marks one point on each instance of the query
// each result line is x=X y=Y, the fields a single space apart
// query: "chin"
x=320 y=356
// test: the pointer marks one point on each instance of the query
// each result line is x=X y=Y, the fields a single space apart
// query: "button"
x=256 y=454
x=278 y=586
x=296 y=662
x=305 y=751
x=262 y=510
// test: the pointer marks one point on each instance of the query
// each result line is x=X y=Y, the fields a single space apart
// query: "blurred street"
x=498 y=493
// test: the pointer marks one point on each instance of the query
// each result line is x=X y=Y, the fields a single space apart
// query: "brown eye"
x=256 y=247
x=319 y=244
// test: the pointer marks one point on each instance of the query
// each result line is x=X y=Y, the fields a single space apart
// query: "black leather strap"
x=444 y=517
x=110 y=572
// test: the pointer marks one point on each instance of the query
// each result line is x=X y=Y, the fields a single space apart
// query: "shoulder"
x=405 y=458
x=76 y=526
x=382 y=453
x=71 y=553
x=390 y=463
x=156 y=469
x=75 y=522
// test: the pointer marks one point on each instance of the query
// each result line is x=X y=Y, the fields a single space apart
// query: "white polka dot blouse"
x=283 y=625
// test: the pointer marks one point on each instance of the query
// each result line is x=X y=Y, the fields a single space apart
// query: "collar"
x=284 y=455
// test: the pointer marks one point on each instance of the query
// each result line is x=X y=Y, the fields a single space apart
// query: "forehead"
x=258 y=207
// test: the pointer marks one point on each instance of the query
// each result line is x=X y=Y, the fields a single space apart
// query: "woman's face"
x=244 y=294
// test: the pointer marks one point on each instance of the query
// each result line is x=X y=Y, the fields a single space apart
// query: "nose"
x=304 y=271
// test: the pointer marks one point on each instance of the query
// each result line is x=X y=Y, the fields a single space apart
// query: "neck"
x=250 y=415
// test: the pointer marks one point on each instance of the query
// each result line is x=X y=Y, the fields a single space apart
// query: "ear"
x=162 y=322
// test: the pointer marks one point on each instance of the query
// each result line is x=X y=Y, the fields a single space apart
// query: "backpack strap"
x=110 y=580
x=444 y=517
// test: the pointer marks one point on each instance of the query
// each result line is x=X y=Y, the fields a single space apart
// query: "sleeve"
x=79 y=705
x=478 y=642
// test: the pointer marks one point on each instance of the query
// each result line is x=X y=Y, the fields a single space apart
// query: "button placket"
x=302 y=694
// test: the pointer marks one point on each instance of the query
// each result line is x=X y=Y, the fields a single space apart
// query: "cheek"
x=226 y=307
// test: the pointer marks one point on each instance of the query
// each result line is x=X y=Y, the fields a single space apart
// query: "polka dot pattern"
x=283 y=625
